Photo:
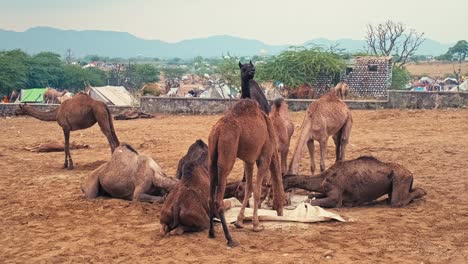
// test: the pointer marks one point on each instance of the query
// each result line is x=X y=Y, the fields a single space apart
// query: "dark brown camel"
x=357 y=182
x=328 y=116
x=245 y=132
x=284 y=129
x=250 y=88
x=80 y=112
x=186 y=208
x=129 y=176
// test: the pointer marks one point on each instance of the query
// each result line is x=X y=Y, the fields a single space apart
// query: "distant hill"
x=125 y=45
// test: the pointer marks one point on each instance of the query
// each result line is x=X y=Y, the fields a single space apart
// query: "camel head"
x=22 y=110
x=197 y=154
x=341 y=90
x=247 y=70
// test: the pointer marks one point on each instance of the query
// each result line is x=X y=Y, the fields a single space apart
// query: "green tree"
x=13 y=70
x=459 y=50
x=400 y=77
x=44 y=69
x=173 y=72
x=229 y=70
x=139 y=74
x=74 y=77
x=300 y=65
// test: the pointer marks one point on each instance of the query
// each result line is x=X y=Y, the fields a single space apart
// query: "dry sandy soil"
x=436 y=69
x=44 y=217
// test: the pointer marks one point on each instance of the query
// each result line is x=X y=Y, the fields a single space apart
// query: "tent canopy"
x=34 y=95
x=112 y=95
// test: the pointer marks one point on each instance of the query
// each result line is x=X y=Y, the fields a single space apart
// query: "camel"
x=357 y=182
x=151 y=89
x=51 y=95
x=14 y=95
x=80 y=112
x=250 y=88
x=186 y=208
x=284 y=130
x=130 y=176
x=328 y=116
x=305 y=91
x=55 y=146
x=244 y=132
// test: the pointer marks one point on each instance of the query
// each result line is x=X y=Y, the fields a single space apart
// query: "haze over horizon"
x=272 y=23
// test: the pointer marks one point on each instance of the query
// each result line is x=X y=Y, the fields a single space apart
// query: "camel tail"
x=112 y=130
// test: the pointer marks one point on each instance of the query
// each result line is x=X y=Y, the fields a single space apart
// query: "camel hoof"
x=211 y=234
x=176 y=232
x=258 y=228
x=233 y=244
x=70 y=167
x=239 y=224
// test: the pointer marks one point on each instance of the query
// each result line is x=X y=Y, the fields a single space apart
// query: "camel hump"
x=129 y=148
x=246 y=106
x=369 y=158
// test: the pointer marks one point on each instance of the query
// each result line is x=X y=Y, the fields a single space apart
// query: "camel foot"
x=70 y=167
x=232 y=243
x=258 y=228
x=211 y=234
x=176 y=232
x=239 y=224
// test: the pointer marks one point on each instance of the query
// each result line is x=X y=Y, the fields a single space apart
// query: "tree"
x=74 y=77
x=459 y=50
x=393 y=39
x=139 y=74
x=13 y=70
x=173 y=72
x=400 y=77
x=229 y=70
x=44 y=69
x=300 y=65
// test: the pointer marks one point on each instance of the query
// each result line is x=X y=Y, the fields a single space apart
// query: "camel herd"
x=253 y=131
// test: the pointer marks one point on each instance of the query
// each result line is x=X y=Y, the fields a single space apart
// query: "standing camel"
x=328 y=116
x=250 y=88
x=78 y=113
x=284 y=130
x=51 y=95
x=244 y=132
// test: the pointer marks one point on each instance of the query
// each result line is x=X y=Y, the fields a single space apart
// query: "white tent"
x=462 y=87
x=217 y=92
x=113 y=95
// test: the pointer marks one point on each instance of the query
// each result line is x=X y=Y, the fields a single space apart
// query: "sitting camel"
x=250 y=88
x=244 y=132
x=357 y=182
x=328 y=116
x=77 y=113
x=51 y=95
x=129 y=176
x=55 y=146
x=305 y=91
x=284 y=129
x=186 y=208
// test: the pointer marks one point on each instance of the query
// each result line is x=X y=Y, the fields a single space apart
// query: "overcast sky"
x=270 y=21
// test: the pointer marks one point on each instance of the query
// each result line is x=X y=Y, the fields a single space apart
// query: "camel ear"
x=251 y=63
x=240 y=65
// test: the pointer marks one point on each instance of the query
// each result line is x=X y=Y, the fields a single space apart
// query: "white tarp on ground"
x=302 y=212
x=113 y=95
x=461 y=87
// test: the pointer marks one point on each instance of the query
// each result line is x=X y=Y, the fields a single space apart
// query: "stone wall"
x=9 y=109
x=426 y=100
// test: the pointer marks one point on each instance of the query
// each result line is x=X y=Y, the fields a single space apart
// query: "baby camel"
x=284 y=129
x=129 y=176
x=359 y=181
x=244 y=132
x=328 y=116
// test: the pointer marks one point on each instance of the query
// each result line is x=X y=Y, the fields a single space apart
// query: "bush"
x=400 y=77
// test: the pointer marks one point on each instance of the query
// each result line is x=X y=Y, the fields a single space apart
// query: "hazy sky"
x=270 y=21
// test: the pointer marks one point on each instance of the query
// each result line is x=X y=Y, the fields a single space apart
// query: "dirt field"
x=44 y=218
x=436 y=69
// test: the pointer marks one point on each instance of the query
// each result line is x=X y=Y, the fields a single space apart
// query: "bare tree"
x=393 y=39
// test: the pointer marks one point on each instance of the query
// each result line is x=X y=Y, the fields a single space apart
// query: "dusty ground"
x=436 y=69
x=44 y=218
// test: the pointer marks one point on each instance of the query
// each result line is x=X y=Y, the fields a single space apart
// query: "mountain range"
x=125 y=45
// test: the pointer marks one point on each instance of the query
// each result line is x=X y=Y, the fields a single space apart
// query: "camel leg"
x=323 y=153
x=310 y=146
x=402 y=193
x=193 y=220
x=284 y=161
x=68 y=160
x=104 y=120
x=143 y=197
x=263 y=167
x=299 y=149
x=332 y=199
x=277 y=184
x=90 y=186
x=345 y=134
x=248 y=172
x=337 y=140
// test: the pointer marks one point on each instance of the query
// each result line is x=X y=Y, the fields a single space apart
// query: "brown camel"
x=357 y=182
x=244 y=132
x=51 y=95
x=284 y=130
x=186 y=208
x=250 y=88
x=129 y=176
x=328 y=116
x=80 y=112
x=305 y=91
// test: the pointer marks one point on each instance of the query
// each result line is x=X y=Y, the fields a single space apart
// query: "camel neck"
x=44 y=116
x=245 y=88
